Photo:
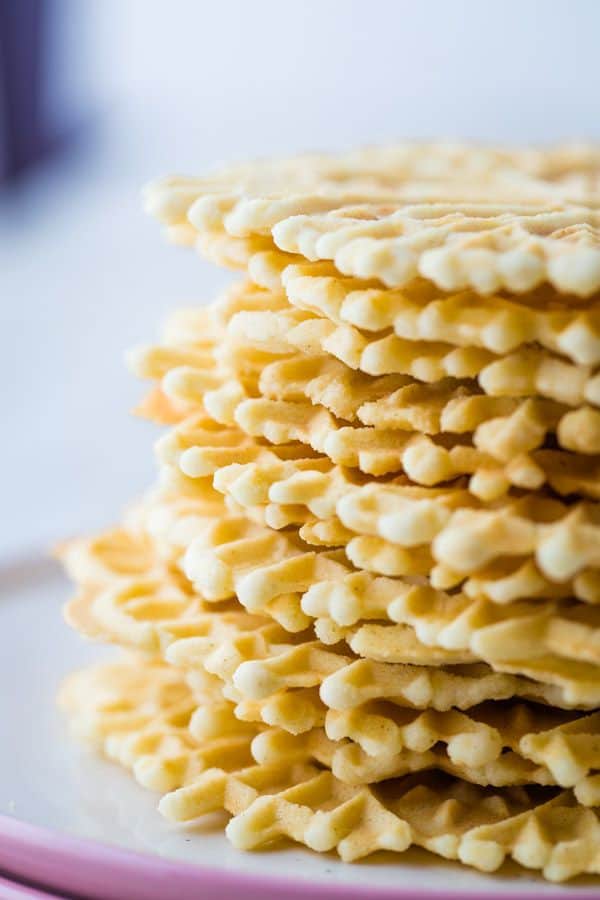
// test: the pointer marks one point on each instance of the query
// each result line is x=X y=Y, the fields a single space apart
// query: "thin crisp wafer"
x=150 y=614
x=421 y=313
x=466 y=225
x=553 y=644
x=474 y=738
x=437 y=688
x=527 y=371
x=378 y=452
x=503 y=581
x=486 y=247
x=504 y=427
x=445 y=165
x=463 y=534
x=521 y=641
x=502 y=457
x=352 y=765
x=562 y=165
x=141 y=715
x=518 y=426
x=151 y=739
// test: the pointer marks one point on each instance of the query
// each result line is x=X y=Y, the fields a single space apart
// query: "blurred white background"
x=157 y=86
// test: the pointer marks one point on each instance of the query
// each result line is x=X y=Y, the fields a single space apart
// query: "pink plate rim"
x=97 y=871
x=16 y=890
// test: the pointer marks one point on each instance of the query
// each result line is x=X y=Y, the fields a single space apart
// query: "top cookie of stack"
x=462 y=218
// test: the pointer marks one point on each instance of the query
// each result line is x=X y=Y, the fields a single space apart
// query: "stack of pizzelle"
x=362 y=603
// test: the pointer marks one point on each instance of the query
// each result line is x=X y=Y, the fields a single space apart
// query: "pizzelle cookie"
x=361 y=603
x=527 y=371
x=498 y=323
x=203 y=758
x=380 y=425
x=447 y=526
x=276 y=580
x=494 y=223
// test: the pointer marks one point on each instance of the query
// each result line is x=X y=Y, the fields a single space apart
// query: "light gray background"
x=176 y=85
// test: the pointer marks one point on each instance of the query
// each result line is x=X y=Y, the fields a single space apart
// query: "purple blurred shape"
x=23 y=140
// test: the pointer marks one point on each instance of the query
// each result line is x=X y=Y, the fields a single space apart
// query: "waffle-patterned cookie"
x=141 y=715
x=527 y=371
x=503 y=426
x=446 y=165
x=502 y=452
x=462 y=534
x=487 y=220
x=351 y=765
x=553 y=647
x=483 y=246
x=432 y=628
x=420 y=312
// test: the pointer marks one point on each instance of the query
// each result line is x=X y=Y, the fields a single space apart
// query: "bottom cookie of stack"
x=330 y=750
x=184 y=741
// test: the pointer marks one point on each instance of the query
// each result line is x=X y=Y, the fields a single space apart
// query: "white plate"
x=48 y=781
